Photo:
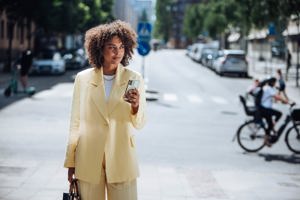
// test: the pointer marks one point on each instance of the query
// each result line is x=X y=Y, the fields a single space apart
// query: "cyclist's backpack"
x=259 y=93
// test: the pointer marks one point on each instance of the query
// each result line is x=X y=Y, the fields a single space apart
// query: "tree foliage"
x=217 y=16
x=191 y=25
x=54 y=17
x=163 y=23
x=59 y=16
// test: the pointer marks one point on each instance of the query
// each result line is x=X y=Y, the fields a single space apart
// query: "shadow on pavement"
x=293 y=159
x=40 y=82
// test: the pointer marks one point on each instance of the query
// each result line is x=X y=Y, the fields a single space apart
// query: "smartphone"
x=132 y=84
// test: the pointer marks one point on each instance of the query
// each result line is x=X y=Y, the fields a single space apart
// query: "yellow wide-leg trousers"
x=108 y=191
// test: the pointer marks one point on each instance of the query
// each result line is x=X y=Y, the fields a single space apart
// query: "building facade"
x=263 y=47
x=178 y=40
x=131 y=10
x=18 y=36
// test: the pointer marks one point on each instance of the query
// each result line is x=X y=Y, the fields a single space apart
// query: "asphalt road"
x=191 y=127
x=40 y=82
x=185 y=150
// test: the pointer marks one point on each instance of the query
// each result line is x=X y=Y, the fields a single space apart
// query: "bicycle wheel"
x=251 y=136
x=292 y=138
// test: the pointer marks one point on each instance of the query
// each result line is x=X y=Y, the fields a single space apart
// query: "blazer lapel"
x=98 y=93
x=118 y=89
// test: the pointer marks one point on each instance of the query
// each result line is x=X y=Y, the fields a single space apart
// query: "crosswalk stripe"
x=170 y=97
x=219 y=100
x=194 y=99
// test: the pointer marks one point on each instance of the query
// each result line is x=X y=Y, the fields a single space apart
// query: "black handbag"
x=73 y=191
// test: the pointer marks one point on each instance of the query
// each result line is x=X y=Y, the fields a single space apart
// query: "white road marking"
x=219 y=100
x=170 y=97
x=194 y=99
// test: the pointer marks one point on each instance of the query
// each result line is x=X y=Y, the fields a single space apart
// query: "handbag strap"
x=73 y=190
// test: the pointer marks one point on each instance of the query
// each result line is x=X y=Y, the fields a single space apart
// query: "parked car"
x=48 y=62
x=211 y=59
x=197 y=52
x=231 y=61
x=207 y=55
x=188 y=50
x=74 y=59
x=191 y=50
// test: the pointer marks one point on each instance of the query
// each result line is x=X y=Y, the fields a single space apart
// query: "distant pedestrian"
x=25 y=62
x=101 y=151
x=281 y=84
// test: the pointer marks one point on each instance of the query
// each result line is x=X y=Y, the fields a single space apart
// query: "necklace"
x=109 y=77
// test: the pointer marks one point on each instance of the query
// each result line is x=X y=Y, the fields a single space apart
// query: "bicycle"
x=251 y=134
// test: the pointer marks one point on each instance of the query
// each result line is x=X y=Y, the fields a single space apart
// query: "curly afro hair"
x=96 y=37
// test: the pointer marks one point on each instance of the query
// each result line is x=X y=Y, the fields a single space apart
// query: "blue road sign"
x=143 y=48
x=144 y=31
x=272 y=30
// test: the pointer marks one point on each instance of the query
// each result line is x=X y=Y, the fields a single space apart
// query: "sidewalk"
x=32 y=152
x=266 y=69
x=31 y=161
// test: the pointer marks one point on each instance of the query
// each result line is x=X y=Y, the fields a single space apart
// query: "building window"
x=22 y=34
x=7 y=30
x=28 y=30
x=10 y=30
x=2 y=29
x=18 y=30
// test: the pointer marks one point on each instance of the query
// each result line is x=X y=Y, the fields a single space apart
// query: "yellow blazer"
x=99 y=127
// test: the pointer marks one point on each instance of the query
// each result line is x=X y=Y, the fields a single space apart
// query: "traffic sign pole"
x=143 y=67
x=144 y=36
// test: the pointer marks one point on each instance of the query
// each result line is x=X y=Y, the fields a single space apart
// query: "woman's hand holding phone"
x=132 y=95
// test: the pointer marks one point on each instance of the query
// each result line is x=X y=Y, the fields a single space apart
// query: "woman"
x=281 y=83
x=101 y=148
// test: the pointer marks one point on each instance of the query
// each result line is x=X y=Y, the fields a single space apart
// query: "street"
x=185 y=151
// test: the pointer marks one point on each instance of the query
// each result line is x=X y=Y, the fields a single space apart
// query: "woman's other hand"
x=71 y=173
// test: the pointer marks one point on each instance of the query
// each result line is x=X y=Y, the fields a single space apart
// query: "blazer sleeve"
x=74 y=126
x=138 y=120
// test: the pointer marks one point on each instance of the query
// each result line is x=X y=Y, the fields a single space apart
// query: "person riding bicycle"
x=266 y=107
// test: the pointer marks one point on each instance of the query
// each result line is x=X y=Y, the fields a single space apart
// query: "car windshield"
x=236 y=56
x=45 y=55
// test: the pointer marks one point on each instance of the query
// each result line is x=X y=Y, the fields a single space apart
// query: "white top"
x=108 y=83
x=267 y=97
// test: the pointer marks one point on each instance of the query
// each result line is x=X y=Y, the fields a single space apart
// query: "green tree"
x=56 y=17
x=163 y=23
x=213 y=17
x=193 y=21
x=99 y=12
x=144 y=16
